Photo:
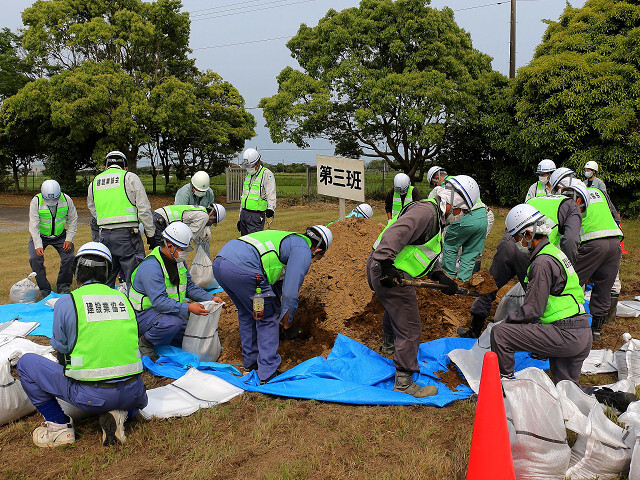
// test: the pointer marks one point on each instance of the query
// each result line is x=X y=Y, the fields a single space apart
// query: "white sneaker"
x=51 y=434
x=112 y=424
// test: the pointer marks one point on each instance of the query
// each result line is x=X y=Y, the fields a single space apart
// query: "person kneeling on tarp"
x=95 y=334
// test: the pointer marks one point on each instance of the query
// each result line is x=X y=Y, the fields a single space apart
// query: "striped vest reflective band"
x=174 y=213
x=416 y=260
x=597 y=221
x=48 y=225
x=176 y=292
x=106 y=345
x=549 y=205
x=267 y=243
x=251 y=199
x=571 y=299
x=398 y=204
x=110 y=198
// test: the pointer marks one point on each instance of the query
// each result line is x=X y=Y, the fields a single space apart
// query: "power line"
x=222 y=6
x=242 y=43
x=253 y=10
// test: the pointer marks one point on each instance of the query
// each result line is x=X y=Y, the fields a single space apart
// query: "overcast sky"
x=245 y=42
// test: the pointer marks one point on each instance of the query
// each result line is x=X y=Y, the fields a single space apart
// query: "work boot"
x=290 y=333
x=596 y=327
x=404 y=383
x=619 y=400
x=388 y=347
x=51 y=434
x=146 y=348
x=271 y=377
x=611 y=314
x=474 y=331
x=112 y=424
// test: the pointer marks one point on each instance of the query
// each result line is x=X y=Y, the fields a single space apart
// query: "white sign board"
x=340 y=177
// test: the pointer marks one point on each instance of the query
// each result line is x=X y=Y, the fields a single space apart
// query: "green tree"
x=578 y=99
x=384 y=80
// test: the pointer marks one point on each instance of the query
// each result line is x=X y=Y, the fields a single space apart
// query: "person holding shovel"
x=407 y=248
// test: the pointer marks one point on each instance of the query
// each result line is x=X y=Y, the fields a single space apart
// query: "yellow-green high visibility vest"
x=416 y=260
x=541 y=189
x=267 y=243
x=251 y=199
x=597 y=221
x=110 y=198
x=174 y=213
x=48 y=225
x=178 y=292
x=398 y=204
x=549 y=205
x=106 y=345
x=570 y=301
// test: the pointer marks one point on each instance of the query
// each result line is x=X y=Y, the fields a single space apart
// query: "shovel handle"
x=437 y=286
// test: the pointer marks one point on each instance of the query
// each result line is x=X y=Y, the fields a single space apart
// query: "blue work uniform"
x=236 y=267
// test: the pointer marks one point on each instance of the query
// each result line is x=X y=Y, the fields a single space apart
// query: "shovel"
x=437 y=286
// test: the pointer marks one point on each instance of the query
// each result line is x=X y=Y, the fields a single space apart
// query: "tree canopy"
x=383 y=80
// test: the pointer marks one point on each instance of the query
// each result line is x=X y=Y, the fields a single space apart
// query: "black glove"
x=443 y=279
x=290 y=333
x=151 y=241
x=238 y=226
x=269 y=213
x=390 y=276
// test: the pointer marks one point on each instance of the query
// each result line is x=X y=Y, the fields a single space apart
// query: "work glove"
x=390 y=276
x=443 y=279
x=290 y=333
x=238 y=226
x=151 y=241
x=205 y=235
x=269 y=213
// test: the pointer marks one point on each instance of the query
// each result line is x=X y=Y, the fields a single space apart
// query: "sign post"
x=342 y=178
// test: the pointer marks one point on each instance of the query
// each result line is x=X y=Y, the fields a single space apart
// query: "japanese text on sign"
x=340 y=177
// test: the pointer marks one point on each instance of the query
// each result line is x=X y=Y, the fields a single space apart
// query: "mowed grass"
x=260 y=436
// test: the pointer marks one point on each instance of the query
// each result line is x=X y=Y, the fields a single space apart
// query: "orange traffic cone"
x=624 y=250
x=490 y=455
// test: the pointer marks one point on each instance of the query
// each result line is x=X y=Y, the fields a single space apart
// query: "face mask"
x=51 y=202
x=543 y=180
x=522 y=248
x=198 y=193
x=182 y=256
x=250 y=169
x=588 y=174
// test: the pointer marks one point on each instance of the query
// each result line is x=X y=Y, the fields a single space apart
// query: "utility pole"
x=512 y=43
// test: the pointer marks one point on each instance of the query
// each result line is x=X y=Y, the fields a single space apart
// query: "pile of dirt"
x=336 y=298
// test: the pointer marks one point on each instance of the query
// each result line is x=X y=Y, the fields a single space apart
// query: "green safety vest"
x=548 y=205
x=48 y=225
x=267 y=243
x=178 y=292
x=251 y=199
x=416 y=260
x=541 y=189
x=110 y=198
x=398 y=204
x=174 y=213
x=106 y=345
x=597 y=221
x=570 y=301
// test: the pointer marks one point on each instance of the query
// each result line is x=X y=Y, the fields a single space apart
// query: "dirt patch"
x=451 y=377
x=481 y=282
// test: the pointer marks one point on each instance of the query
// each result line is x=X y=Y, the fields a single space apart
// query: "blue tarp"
x=351 y=373
x=31 y=312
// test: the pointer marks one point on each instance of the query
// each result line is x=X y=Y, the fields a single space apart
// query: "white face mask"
x=251 y=170
x=198 y=193
x=543 y=180
x=51 y=202
x=182 y=256
x=522 y=248
x=588 y=174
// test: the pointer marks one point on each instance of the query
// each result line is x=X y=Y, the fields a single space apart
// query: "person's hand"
x=444 y=279
x=217 y=299
x=290 y=333
x=198 y=309
x=40 y=252
x=390 y=276
x=66 y=246
x=238 y=226
x=269 y=213
x=151 y=242
x=205 y=235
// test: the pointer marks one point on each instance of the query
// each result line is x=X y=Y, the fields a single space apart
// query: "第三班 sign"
x=340 y=177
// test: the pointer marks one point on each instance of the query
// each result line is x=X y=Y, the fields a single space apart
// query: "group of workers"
x=565 y=235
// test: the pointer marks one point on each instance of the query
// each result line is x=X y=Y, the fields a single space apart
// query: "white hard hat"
x=591 y=165
x=467 y=187
x=180 y=235
x=401 y=183
x=577 y=188
x=115 y=158
x=365 y=210
x=200 y=181
x=50 y=191
x=522 y=217
x=320 y=234
x=220 y=211
x=546 y=166
x=432 y=172
x=250 y=157
x=560 y=174
x=95 y=248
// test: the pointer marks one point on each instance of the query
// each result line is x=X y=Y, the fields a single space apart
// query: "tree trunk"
x=16 y=179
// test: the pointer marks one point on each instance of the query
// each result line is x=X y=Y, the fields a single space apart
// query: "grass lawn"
x=264 y=437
